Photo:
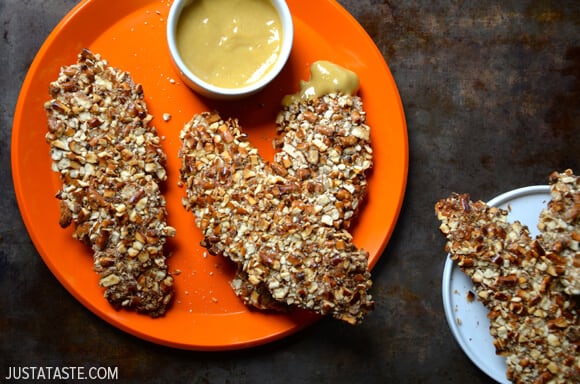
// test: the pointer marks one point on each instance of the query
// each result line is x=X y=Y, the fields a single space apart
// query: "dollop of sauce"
x=325 y=78
x=229 y=43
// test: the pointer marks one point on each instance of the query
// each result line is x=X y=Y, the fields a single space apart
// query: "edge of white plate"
x=469 y=323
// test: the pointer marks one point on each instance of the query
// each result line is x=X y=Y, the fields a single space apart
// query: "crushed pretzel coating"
x=559 y=226
x=284 y=228
x=111 y=166
x=324 y=143
x=534 y=324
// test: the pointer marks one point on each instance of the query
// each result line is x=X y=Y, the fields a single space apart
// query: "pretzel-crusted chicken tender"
x=523 y=283
x=283 y=222
x=111 y=166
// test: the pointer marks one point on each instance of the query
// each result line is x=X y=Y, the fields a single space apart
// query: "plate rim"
x=450 y=267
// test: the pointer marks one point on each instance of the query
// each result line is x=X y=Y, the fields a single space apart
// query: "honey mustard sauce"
x=229 y=43
x=325 y=78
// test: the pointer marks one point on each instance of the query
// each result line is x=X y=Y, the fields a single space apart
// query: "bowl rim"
x=211 y=90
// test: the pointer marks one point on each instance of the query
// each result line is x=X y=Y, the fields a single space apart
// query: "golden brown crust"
x=534 y=324
x=111 y=166
x=559 y=226
x=267 y=221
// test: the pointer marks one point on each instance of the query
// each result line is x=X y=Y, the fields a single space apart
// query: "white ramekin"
x=215 y=92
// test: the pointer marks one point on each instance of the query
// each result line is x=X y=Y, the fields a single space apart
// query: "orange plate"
x=130 y=34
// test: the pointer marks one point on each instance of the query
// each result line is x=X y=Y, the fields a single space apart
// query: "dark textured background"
x=491 y=95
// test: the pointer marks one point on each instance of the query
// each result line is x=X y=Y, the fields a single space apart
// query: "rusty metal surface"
x=491 y=96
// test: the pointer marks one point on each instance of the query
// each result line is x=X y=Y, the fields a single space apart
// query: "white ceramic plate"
x=468 y=320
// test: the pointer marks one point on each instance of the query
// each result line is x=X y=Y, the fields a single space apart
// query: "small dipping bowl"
x=213 y=91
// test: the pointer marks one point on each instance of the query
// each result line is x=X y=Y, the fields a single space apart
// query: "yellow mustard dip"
x=325 y=78
x=229 y=43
